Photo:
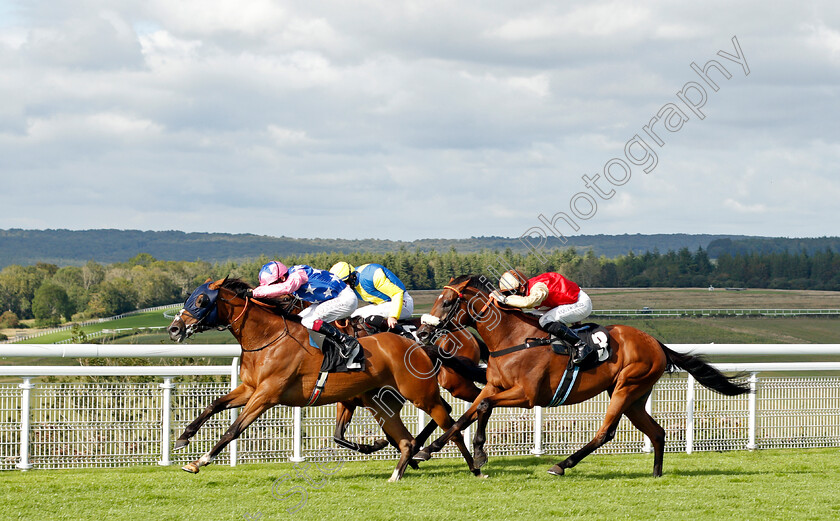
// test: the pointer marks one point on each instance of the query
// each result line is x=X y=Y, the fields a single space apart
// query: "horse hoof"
x=556 y=470
x=423 y=455
x=192 y=468
x=413 y=464
x=379 y=445
x=180 y=444
x=480 y=459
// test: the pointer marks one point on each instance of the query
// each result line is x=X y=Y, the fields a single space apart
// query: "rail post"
x=298 y=436
x=753 y=412
x=25 y=411
x=421 y=419
x=689 y=416
x=234 y=412
x=166 y=420
x=538 y=431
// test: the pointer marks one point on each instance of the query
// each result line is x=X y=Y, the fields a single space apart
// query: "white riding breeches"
x=387 y=309
x=342 y=306
x=569 y=313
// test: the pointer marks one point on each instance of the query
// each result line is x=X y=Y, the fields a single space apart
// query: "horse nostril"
x=176 y=331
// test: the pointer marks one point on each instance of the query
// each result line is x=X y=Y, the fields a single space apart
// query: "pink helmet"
x=271 y=272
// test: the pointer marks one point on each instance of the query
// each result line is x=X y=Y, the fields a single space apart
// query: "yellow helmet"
x=342 y=270
x=509 y=281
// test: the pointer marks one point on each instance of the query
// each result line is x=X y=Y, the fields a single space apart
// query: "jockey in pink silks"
x=331 y=300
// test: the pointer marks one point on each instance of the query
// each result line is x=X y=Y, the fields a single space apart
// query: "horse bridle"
x=447 y=321
x=199 y=326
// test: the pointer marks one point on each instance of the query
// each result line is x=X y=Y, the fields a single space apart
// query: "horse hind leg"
x=343 y=415
x=620 y=402
x=643 y=421
x=396 y=431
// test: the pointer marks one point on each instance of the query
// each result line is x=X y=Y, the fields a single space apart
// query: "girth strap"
x=319 y=386
x=565 y=386
x=529 y=343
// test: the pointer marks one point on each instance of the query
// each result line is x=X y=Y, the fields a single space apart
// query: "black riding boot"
x=381 y=324
x=348 y=347
x=567 y=335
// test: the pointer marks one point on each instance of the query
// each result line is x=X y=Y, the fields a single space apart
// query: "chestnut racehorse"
x=530 y=377
x=455 y=356
x=278 y=366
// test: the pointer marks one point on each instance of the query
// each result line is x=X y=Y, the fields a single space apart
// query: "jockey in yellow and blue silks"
x=377 y=285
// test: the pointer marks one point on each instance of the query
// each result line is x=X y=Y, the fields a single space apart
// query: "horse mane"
x=479 y=282
x=239 y=287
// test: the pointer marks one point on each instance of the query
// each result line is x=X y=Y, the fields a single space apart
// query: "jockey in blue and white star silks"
x=331 y=298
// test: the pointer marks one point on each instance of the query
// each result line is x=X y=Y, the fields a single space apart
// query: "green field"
x=772 y=484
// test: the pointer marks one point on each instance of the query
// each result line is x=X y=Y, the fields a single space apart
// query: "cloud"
x=411 y=119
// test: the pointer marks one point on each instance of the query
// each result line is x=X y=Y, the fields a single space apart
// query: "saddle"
x=594 y=334
x=333 y=361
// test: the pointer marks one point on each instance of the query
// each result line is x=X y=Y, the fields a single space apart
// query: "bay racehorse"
x=279 y=366
x=531 y=377
x=455 y=355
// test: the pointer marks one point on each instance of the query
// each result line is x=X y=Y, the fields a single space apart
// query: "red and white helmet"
x=272 y=272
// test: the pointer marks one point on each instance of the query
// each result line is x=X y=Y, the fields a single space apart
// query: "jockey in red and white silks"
x=565 y=302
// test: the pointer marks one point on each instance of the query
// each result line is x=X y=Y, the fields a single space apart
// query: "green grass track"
x=771 y=484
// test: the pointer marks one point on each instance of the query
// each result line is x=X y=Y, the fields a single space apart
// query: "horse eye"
x=202 y=301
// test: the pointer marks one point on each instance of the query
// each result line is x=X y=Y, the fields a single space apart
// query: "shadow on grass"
x=537 y=469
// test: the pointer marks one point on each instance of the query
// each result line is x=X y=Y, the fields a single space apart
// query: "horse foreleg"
x=261 y=400
x=236 y=398
x=430 y=428
x=440 y=414
x=514 y=397
x=463 y=422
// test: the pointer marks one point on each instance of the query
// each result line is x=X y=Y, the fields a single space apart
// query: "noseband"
x=447 y=321
x=199 y=326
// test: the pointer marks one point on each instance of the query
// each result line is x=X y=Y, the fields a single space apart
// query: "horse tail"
x=460 y=364
x=704 y=373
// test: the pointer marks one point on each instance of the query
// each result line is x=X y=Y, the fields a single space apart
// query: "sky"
x=410 y=120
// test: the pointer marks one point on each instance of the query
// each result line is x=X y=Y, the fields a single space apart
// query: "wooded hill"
x=75 y=248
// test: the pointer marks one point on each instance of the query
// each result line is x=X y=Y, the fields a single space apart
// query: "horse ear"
x=218 y=284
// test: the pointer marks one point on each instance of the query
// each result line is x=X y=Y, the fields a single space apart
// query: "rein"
x=241 y=315
x=446 y=323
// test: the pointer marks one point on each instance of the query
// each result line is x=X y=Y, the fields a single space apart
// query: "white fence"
x=64 y=425
x=50 y=331
x=714 y=312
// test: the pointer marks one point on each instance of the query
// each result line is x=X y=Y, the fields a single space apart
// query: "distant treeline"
x=76 y=247
x=52 y=294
